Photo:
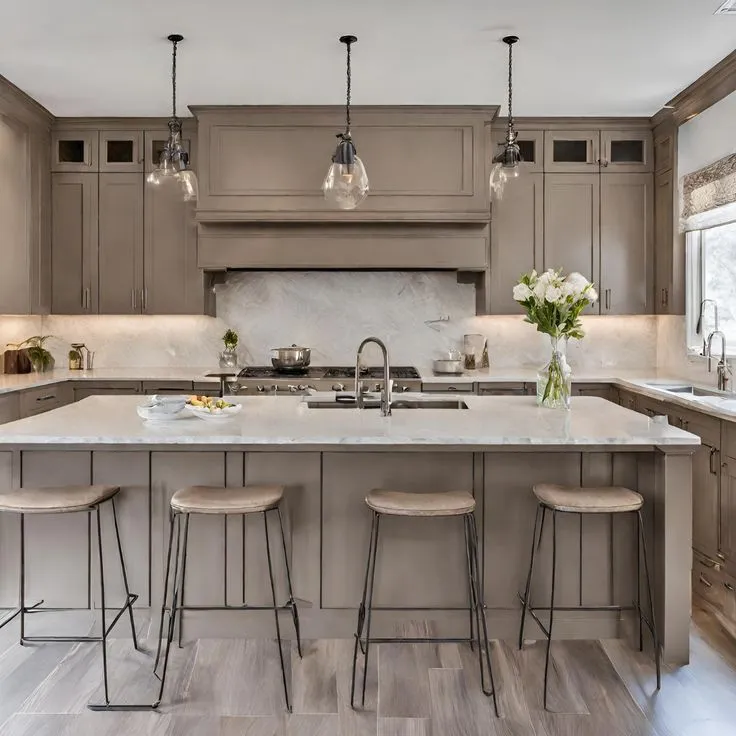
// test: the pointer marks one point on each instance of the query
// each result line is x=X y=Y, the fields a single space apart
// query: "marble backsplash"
x=419 y=315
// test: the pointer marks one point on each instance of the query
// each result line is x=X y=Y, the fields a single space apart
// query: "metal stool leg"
x=369 y=609
x=361 y=609
x=103 y=613
x=175 y=519
x=655 y=636
x=551 y=604
x=124 y=572
x=184 y=573
x=481 y=614
x=638 y=587
x=22 y=581
x=292 y=602
x=471 y=590
x=535 y=548
x=166 y=589
x=276 y=612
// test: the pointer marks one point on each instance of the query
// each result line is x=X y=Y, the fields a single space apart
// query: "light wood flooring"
x=233 y=688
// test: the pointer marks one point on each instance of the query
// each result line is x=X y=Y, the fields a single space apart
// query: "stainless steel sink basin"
x=397 y=404
x=685 y=390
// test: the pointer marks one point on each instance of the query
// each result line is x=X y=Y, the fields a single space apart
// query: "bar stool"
x=214 y=500
x=418 y=505
x=558 y=499
x=66 y=500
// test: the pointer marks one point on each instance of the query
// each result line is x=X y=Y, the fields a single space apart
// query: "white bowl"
x=168 y=404
x=216 y=415
x=160 y=412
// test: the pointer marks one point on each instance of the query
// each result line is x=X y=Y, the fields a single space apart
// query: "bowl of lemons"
x=212 y=409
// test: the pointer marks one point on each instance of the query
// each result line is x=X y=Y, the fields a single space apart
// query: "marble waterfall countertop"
x=288 y=422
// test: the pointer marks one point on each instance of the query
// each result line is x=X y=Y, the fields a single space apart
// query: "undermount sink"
x=396 y=404
x=685 y=390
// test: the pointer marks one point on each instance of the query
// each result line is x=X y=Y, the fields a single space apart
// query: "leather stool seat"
x=401 y=503
x=604 y=500
x=219 y=500
x=57 y=500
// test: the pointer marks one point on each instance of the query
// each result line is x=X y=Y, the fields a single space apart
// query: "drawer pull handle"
x=713 y=465
x=721 y=556
x=46 y=398
x=452 y=388
x=705 y=581
x=712 y=564
x=729 y=587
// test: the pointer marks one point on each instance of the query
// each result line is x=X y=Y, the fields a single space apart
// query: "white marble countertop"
x=490 y=421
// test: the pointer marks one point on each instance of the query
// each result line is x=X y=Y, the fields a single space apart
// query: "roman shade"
x=709 y=195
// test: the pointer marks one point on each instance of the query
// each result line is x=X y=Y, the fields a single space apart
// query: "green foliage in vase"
x=41 y=359
x=230 y=339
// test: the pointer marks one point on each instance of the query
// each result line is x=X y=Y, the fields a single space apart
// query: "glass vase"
x=554 y=381
x=228 y=359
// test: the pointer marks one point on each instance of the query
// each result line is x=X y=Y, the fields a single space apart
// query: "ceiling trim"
x=490 y=111
x=111 y=123
x=15 y=103
x=710 y=88
x=569 y=123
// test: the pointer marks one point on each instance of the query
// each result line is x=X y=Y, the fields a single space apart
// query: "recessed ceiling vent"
x=727 y=8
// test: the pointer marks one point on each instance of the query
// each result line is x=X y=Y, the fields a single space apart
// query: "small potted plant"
x=229 y=356
x=41 y=359
x=75 y=360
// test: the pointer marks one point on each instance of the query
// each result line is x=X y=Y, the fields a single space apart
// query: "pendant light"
x=346 y=183
x=174 y=161
x=506 y=165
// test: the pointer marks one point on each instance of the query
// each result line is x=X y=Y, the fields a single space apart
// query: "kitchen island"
x=498 y=447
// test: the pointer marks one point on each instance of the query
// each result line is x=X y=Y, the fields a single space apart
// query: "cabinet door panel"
x=626 y=243
x=517 y=233
x=728 y=512
x=572 y=224
x=121 y=151
x=626 y=151
x=74 y=151
x=664 y=217
x=571 y=151
x=121 y=243
x=74 y=206
x=705 y=500
x=173 y=283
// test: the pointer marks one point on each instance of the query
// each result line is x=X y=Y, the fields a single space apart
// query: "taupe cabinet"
x=584 y=202
x=120 y=245
x=267 y=164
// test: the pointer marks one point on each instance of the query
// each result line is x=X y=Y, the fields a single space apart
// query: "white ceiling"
x=576 y=57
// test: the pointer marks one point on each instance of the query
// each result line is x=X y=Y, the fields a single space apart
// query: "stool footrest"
x=16 y=612
x=415 y=640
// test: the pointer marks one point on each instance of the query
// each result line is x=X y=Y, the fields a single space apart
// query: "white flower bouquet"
x=553 y=302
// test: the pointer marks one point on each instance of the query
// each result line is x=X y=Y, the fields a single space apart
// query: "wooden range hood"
x=260 y=204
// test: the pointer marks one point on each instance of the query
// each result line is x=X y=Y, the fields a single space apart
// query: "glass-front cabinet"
x=531 y=147
x=571 y=151
x=155 y=142
x=74 y=151
x=626 y=151
x=121 y=151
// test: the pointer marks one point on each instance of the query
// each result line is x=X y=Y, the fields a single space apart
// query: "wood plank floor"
x=233 y=688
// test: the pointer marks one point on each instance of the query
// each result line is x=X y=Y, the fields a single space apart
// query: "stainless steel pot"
x=290 y=359
x=448 y=367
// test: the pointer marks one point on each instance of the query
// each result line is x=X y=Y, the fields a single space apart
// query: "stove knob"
x=338 y=387
x=260 y=389
x=301 y=387
x=377 y=387
x=274 y=388
x=292 y=389
x=404 y=389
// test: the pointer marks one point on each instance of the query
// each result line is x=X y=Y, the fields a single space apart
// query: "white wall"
x=708 y=137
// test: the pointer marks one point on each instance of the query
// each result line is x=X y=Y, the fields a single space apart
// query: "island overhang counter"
x=498 y=448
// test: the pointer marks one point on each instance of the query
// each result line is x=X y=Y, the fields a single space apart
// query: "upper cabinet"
x=268 y=164
x=586 y=151
x=74 y=151
x=121 y=151
x=531 y=146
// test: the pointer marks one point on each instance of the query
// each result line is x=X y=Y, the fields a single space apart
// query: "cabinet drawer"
x=708 y=582
x=167 y=387
x=39 y=400
x=9 y=408
x=463 y=388
x=603 y=390
x=505 y=389
x=729 y=439
x=111 y=388
x=650 y=407
x=628 y=399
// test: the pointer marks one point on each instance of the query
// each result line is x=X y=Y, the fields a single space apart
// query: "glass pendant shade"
x=346 y=184
x=164 y=170
x=189 y=185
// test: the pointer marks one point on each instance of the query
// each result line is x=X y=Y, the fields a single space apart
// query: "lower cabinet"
x=167 y=387
x=727 y=512
x=443 y=388
x=39 y=400
x=9 y=408
x=506 y=389
x=111 y=388
x=602 y=390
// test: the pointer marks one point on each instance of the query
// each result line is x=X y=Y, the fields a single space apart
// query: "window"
x=712 y=275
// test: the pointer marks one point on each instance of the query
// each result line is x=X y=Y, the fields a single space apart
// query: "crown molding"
x=571 y=123
x=108 y=123
x=717 y=83
x=15 y=103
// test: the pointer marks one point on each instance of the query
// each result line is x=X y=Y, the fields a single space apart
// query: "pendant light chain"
x=173 y=81
x=510 y=136
x=347 y=96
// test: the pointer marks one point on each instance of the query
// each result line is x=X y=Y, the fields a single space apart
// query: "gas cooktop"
x=317 y=372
